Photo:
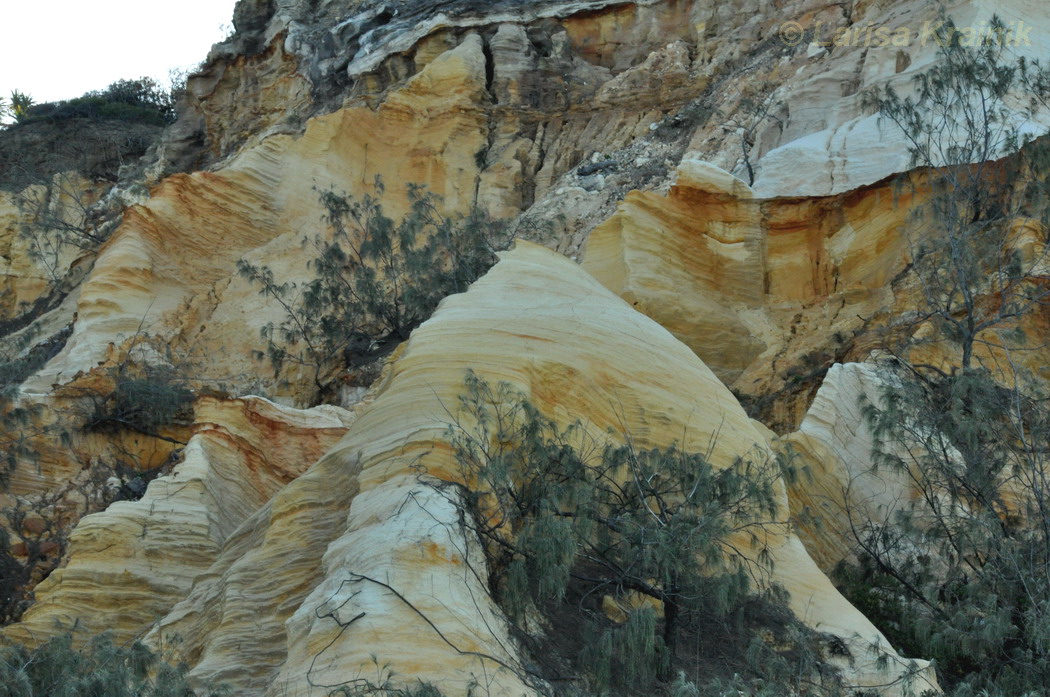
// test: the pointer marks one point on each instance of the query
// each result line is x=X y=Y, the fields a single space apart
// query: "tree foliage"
x=660 y=529
x=142 y=395
x=959 y=571
x=58 y=222
x=34 y=527
x=973 y=274
x=376 y=279
x=18 y=107
x=141 y=100
x=101 y=668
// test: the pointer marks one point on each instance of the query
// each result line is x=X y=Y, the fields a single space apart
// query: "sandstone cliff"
x=288 y=546
x=362 y=513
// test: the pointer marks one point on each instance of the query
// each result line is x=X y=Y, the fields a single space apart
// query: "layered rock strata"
x=372 y=559
x=129 y=564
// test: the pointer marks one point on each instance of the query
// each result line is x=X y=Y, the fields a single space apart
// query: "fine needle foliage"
x=376 y=279
x=974 y=276
x=959 y=570
x=101 y=668
x=565 y=518
x=143 y=394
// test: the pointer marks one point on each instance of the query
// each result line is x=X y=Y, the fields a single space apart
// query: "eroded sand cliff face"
x=261 y=617
x=129 y=564
x=500 y=107
x=609 y=132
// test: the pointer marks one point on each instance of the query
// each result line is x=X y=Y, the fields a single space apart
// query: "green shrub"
x=100 y=668
x=142 y=404
x=566 y=520
x=959 y=573
x=12 y=581
x=959 y=570
x=376 y=279
x=134 y=101
x=144 y=397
